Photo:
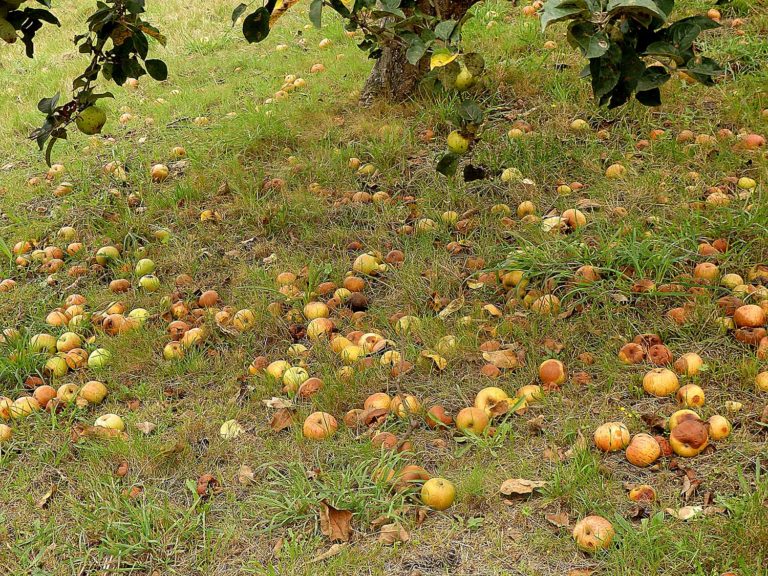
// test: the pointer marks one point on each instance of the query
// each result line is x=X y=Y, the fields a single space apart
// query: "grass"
x=270 y=524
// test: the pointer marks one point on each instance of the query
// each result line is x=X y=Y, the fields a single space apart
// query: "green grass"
x=271 y=525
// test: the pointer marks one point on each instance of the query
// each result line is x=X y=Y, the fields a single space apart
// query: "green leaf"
x=580 y=33
x=416 y=50
x=598 y=45
x=448 y=164
x=157 y=69
x=642 y=6
x=605 y=72
x=256 y=25
x=444 y=30
x=556 y=11
x=47 y=105
x=474 y=62
x=704 y=71
x=650 y=97
x=662 y=48
x=652 y=77
x=316 y=13
x=238 y=11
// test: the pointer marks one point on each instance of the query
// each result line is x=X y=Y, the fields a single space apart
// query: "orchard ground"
x=270 y=524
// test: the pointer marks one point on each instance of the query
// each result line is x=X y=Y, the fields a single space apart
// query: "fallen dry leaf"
x=282 y=419
x=684 y=513
x=43 y=502
x=206 y=484
x=560 y=519
x=335 y=524
x=520 y=486
x=277 y=403
x=146 y=427
x=331 y=552
x=553 y=345
x=245 y=475
x=453 y=306
x=502 y=358
x=439 y=362
x=80 y=431
x=393 y=533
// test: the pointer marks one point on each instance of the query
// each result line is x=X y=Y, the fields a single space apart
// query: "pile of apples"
x=189 y=319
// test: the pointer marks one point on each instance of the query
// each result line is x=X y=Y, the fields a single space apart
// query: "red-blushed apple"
x=593 y=533
x=377 y=401
x=690 y=396
x=660 y=382
x=438 y=493
x=437 y=417
x=5 y=407
x=319 y=425
x=472 y=419
x=93 y=392
x=111 y=421
x=611 y=436
x=44 y=394
x=643 y=450
x=719 y=427
x=552 y=373
x=689 y=364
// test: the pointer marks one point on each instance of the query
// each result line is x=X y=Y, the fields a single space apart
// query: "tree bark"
x=393 y=78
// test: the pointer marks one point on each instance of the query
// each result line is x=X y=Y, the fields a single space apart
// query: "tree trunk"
x=393 y=78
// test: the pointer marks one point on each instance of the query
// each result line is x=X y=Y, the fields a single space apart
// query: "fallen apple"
x=489 y=400
x=689 y=438
x=438 y=493
x=99 y=358
x=690 y=396
x=319 y=425
x=593 y=533
x=472 y=420
x=93 y=392
x=611 y=436
x=111 y=421
x=660 y=382
x=719 y=427
x=643 y=450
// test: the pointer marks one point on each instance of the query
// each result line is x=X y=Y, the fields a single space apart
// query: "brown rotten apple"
x=689 y=438
x=492 y=400
x=642 y=493
x=690 y=396
x=643 y=450
x=437 y=417
x=319 y=425
x=681 y=416
x=749 y=316
x=611 y=436
x=660 y=382
x=593 y=533
x=631 y=353
x=552 y=373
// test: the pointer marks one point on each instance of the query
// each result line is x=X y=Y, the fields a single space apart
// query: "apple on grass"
x=593 y=533
x=438 y=493
x=112 y=421
x=319 y=426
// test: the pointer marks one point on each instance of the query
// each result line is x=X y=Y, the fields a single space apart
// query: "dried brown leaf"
x=122 y=469
x=282 y=419
x=520 y=486
x=560 y=519
x=146 y=427
x=335 y=524
x=245 y=475
x=502 y=358
x=330 y=553
x=45 y=500
x=393 y=533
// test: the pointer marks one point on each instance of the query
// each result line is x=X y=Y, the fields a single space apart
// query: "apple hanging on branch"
x=118 y=41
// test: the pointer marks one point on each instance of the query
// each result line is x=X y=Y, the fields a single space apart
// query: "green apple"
x=458 y=143
x=99 y=358
x=112 y=421
x=91 y=120
x=144 y=267
x=106 y=255
x=150 y=283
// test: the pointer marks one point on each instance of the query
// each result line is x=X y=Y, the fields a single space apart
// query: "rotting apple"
x=611 y=436
x=489 y=400
x=593 y=533
x=319 y=425
x=690 y=396
x=643 y=450
x=689 y=438
x=719 y=427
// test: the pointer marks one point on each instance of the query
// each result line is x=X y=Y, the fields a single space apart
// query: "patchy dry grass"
x=270 y=524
